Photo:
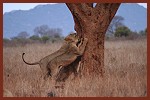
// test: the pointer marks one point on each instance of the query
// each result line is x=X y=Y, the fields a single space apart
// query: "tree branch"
x=105 y=11
x=102 y=8
x=81 y=9
x=81 y=13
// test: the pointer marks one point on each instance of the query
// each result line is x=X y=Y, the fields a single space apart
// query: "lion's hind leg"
x=46 y=72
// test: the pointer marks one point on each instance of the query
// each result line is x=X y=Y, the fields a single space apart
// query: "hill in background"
x=59 y=16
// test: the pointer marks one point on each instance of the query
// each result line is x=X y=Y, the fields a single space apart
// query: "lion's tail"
x=35 y=63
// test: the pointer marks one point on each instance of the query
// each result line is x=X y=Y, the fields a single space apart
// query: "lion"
x=70 y=50
x=67 y=58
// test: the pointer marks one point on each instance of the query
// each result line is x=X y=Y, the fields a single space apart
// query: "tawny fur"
x=70 y=50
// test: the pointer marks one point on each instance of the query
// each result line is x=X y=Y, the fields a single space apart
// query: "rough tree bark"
x=92 y=23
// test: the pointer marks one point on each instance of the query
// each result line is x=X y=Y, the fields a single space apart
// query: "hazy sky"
x=7 y=7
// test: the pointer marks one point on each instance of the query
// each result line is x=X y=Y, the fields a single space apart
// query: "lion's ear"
x=67 y=39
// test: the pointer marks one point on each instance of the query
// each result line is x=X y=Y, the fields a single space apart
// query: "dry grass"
x=125 y=66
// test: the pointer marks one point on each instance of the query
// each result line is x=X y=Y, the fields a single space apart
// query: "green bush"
x=45 y=39
x=34 y=37
x=122 y=31
x=5 y=40
x=143 y=32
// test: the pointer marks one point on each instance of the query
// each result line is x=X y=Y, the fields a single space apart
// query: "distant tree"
x=41 y=30
x=116 y=22
x=23 y=35
x=21 y=39
x=44 y=30
x=54 y=33
x=45 y=39
x=143 y=32
x=58 y=33
x=6 y=40
x=122 y=31
x=35 y=37
x=133 y=35
x=16 y=38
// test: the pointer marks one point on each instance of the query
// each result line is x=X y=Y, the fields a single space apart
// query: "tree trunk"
x=92 y=23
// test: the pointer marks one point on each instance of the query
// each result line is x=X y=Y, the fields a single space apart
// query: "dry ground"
x=125 y=66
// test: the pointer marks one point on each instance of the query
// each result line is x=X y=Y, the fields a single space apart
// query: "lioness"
x=72 y=48
x=67 y=58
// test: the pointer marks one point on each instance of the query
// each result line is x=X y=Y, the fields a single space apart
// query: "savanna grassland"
x=125 y=72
